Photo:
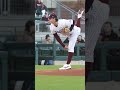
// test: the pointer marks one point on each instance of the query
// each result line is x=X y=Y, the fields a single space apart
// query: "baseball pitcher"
x=69 y=29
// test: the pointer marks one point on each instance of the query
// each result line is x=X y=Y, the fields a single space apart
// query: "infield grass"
x=60 y=83
x=44 y=82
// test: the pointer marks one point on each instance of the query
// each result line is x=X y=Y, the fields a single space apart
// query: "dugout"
x=106 y=65
x=16 y=64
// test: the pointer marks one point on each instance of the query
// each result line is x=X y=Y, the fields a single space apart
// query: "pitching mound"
x=71 y=72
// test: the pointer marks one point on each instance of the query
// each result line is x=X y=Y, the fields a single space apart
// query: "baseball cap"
x=53 y=15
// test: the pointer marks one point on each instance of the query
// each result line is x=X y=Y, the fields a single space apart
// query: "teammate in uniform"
x=67 y=28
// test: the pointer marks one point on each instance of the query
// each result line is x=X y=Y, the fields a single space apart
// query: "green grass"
x=44 y=82
x=59 y=83
x=54 y=67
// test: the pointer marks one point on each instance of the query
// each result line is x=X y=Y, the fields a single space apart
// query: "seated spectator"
x=80 y=39
x=47 y=41
x=40 y=8
x=29 y=33
x=107 y=33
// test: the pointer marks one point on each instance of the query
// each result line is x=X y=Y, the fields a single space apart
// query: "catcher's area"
x=71 y=72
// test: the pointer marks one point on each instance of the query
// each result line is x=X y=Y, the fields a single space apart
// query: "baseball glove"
x=66 y=30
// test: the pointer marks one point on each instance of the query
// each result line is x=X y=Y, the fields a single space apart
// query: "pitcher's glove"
x=66 y=30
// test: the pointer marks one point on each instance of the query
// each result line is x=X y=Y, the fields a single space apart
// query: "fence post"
x=58 y=11
x=54 y=49
x=8 y=7
x=104 y=59
x=4 y=61
x=36 y=55
x=78 y=50
x=37 y=26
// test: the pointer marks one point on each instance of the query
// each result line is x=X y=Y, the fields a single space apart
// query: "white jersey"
x=62 y=23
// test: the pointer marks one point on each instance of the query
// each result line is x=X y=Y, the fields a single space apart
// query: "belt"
x=71 y=27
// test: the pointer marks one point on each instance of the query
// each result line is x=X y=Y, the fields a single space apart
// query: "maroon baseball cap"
x=53 y=15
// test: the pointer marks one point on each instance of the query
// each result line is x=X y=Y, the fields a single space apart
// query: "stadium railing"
x=17 y=63
x=104 y=73
x=60 y=6
x=55 y=52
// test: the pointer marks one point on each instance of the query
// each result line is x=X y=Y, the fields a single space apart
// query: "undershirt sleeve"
x=58 y=39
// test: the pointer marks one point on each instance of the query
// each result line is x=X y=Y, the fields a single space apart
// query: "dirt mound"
x=71 y=72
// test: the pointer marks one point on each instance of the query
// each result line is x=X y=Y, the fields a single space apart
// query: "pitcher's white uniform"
x=73 y=35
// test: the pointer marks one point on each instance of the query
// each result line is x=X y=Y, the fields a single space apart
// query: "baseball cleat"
x=65 y=67
x=80 y=13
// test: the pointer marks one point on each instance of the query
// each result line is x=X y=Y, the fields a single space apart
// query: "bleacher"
x=17 y=62
x=106 y=65
x=12 y=61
